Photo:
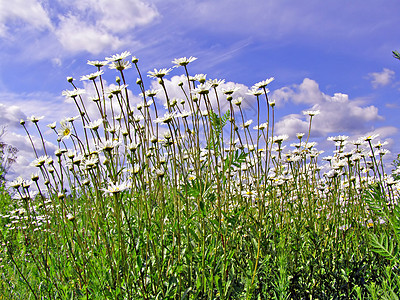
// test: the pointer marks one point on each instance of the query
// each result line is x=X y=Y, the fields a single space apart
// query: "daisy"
x=73 y=93
x=263 y=84
x=117 y=89
x=200 y=77
x=262 y=126
x=216 y=82
x=255 y=91
x=230 y=90
x=114 y=188
x=151 y=93
x=120 y=65
x=167 y=118
x=40 y=161
x=202 y=89
x=118 y=57
x=370 y=137
x=311 y=113
x=16 y=183
x=71 y=119
x=183 y=61
x=238 y=101
x=65 y=131
x=159 y=73
x=97 y=63
x=109 y=145
x=35 y=119
x=92 y=76
x=52 y=125
x=95 y=124
x=247 y=124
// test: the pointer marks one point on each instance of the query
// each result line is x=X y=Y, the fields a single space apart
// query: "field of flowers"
x=187 y=199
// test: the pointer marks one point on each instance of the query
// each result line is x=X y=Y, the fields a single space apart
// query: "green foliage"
x=217 y=125
x=387 y=243
x=396 y=54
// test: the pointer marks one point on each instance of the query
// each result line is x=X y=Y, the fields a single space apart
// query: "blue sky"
x=334 y=56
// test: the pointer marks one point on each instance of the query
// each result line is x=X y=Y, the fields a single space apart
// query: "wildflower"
x=254 y=91
x=204 y=113
x=183 y=61
x=184 y=114
x=117 y=89
x=118 y=57
x=216 y=82
x=159 y=73
x=167 y=135
x=167 y=118
x=300 y=135
x=40 y=161
x=202 y=89
x=73 y=93
x=35 y=177
x=370 y=137
x=109 y=145
x=151 y=93
x=114 y=188
x=280 y=138
x=264 y=83
x=379 y=144
x=238 y=101
x=171 y=103
x=92 y=76
x=230 y=90
x=71 y=119
x=89 y=163
x=148 y=103
x=94 y=124
x=382 y=152
x=97 y=63
x=35 y=119
x=120 y=65
x=311 y=113
x=78 y=159
x=70 y=217
x=137 y=118
x=65 y=131
x=160 y=173
x=200 y=78
x=247 y=124
x=17 y=182
x=52 y=125
x=262 y=126
x=339 y=138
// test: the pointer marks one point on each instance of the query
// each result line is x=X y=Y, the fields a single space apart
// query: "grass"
x=188 y=201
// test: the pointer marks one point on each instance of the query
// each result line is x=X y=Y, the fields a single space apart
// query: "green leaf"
x=384 y=246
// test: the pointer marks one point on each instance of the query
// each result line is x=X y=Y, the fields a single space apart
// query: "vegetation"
x=189 y=201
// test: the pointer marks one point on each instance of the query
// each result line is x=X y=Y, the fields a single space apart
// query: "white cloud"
x=80 y=25
x=338 y=114
x=77 y=35
x=29 y=12
x=96 y=25
x=383 y=78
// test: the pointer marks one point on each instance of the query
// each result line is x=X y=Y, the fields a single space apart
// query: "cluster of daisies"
x=124 y=138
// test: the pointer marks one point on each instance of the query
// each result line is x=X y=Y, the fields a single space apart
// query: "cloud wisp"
x=380 y=79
